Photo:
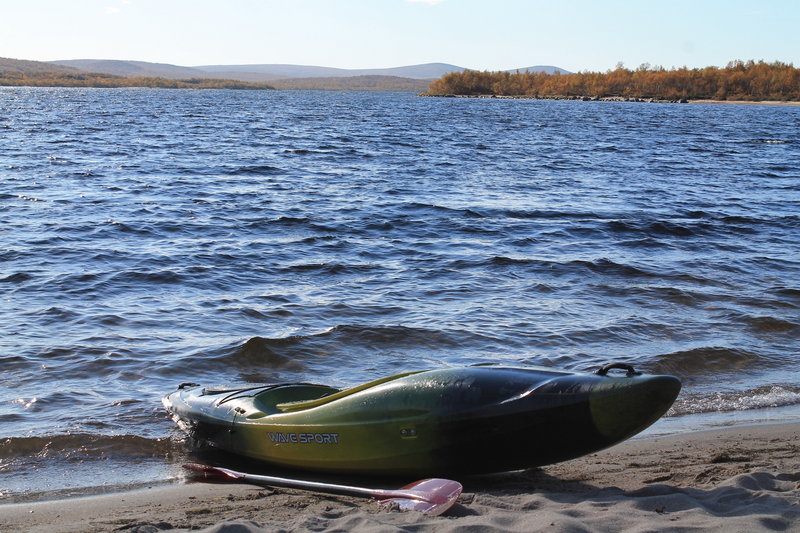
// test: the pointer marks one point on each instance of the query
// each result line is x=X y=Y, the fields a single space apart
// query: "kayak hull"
x=466 y=420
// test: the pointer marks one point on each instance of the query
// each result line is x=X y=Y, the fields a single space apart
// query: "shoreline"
x=423 y=95
x=632 y=99
x=740 y=478
x=746 y=102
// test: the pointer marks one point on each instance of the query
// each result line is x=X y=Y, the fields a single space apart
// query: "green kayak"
x=474 y=419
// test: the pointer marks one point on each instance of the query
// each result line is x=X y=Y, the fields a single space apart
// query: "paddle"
x=429 y=496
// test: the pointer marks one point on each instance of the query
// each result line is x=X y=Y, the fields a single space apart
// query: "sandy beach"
x=735 y=479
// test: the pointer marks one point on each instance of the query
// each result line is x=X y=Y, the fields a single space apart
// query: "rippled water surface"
x=152 y=237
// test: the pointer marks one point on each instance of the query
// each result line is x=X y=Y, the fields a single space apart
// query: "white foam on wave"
x=762 y=398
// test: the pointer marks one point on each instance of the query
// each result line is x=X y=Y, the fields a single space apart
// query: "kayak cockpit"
x=300 y=405
x=271 y=401
x=268 y=400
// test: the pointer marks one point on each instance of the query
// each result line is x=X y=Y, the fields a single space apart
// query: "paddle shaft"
x=438 y=492
x=431 y=496
x=378 y=494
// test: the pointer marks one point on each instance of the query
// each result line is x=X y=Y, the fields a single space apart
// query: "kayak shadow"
x=521 y=481
x=530 y=480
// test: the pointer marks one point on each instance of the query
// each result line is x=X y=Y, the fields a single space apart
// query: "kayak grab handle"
x=618 y=366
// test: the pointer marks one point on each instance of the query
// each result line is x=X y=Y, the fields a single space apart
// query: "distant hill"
x=259 y=73
x=271 y=72
x=425 y=71
x=133 y=68
x=355 y=83
x=407 y=78
x=422 y=72
x=21 y=65
x=23 y=73
x=276 y=72
x=547 y=69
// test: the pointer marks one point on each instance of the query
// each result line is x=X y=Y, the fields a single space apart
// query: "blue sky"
x=486 y=35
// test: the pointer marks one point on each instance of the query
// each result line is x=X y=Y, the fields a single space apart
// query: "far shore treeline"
x=739 y=80
x=95 y=79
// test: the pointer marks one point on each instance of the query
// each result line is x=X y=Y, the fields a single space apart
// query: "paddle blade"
x=212 y=473
x=429 y=496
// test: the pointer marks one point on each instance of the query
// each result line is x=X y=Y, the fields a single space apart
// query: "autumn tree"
x=739 y=80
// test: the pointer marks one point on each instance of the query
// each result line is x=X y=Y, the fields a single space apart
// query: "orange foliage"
x=737 y=81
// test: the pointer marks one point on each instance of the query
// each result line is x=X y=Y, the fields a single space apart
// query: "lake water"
x=151 y=237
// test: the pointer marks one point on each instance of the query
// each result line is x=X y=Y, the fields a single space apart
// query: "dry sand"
x=737 y=479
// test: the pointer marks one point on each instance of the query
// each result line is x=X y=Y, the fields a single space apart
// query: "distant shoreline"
x=616 y=99
x=747 y=102
x=738 y=81
x=198 y=85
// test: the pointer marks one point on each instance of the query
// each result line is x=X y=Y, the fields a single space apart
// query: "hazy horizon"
x=575 y=35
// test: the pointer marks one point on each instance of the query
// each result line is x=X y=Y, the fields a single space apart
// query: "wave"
x=305 y=151
x=291 y=221
x=770 y=324
x=421 y=207
x=255 y=170
x=657 y=227
x=273 y=354
x=332 y=268
x=548 y=214
x=81 y=446
x=696 y=364
x=341 y=345
x=787 y=292
x=137 y=277
x=109 y=282
x=579 y=267
x=761 y=398
x=17 y=277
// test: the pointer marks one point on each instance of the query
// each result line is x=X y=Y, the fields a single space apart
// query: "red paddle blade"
x=212 y=473
x=429 y=496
